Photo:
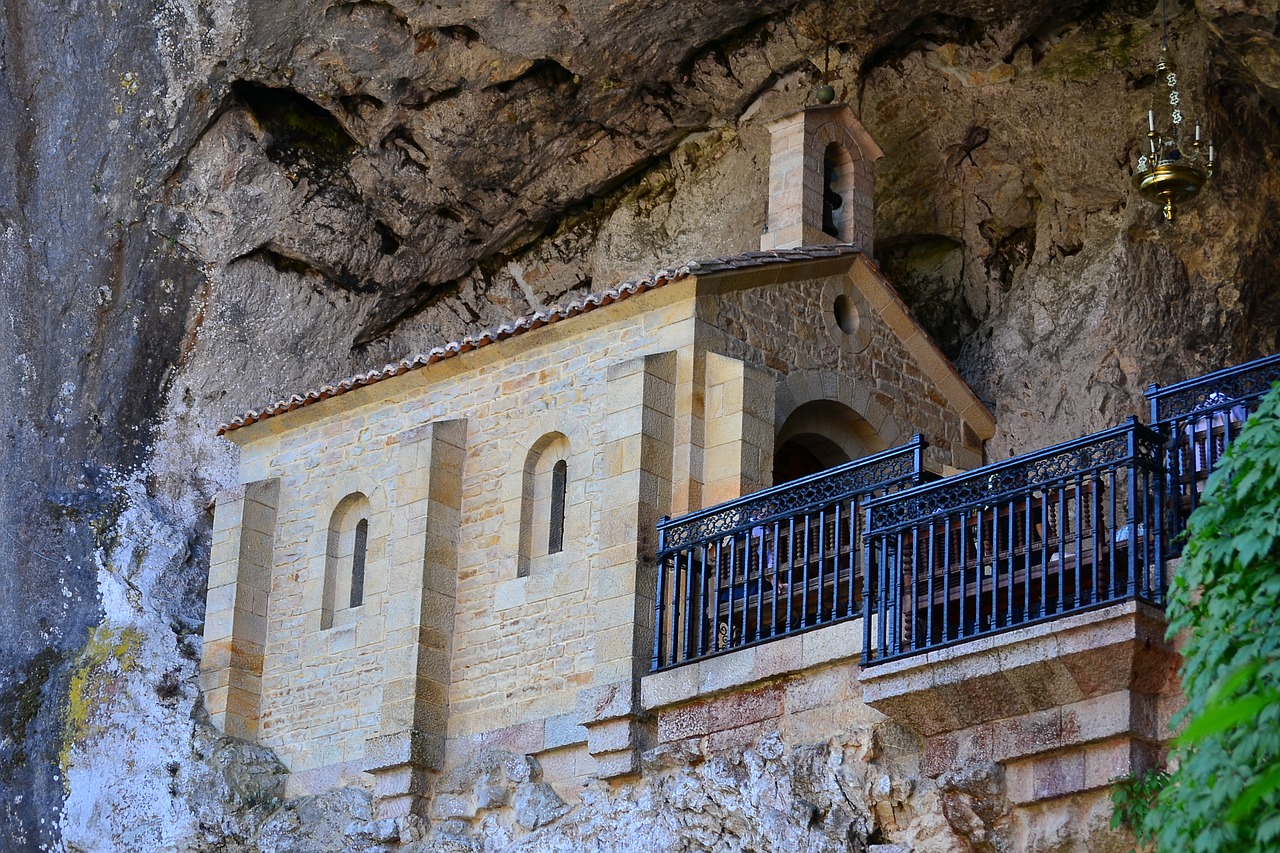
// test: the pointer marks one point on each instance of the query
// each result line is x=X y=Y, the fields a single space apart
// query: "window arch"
x=544 y=500
x=346 y=557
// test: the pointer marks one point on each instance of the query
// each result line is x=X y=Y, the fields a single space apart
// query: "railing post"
x=659 y=595
x=1162 y=478
x=918 y=459
x=1131 y=527
x=1152 y=390
x=867 y=565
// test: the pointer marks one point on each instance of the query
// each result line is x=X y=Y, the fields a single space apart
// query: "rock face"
x=211 y=203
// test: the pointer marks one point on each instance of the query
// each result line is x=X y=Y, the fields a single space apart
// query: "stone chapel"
x=457 y=552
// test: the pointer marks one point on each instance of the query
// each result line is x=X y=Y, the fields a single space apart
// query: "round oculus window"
x=846 y=314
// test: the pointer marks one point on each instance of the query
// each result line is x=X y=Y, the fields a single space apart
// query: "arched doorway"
x=819 y=435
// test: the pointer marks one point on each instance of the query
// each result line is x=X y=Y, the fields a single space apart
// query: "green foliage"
x=1133 y=798
x=1225 y=793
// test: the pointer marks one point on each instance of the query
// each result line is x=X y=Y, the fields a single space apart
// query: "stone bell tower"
x=821 y=180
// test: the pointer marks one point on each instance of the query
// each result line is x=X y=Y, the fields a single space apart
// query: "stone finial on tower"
x=821 y=180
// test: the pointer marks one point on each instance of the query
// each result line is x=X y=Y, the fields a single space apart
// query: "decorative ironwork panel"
x=862 y=476
x=1003 y=480
x=1214 y=390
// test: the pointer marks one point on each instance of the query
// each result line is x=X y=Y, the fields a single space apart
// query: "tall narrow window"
x=544 y=502
x=831 y=199
x=358 y=551
x=555 y=530
x=347 y=557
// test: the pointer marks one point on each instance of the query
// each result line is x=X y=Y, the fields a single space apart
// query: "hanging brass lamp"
x=1176 y=165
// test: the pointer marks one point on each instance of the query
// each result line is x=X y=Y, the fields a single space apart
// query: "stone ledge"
x=1043 y=666
x=606 y=702
x=1088 y=768
x=841 y=642
x=1119 y=715
x=527 y=738
x=412 y=747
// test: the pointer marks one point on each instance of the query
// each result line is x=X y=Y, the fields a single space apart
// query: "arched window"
x=346 y=557
x=544 y=501
x=837 y=186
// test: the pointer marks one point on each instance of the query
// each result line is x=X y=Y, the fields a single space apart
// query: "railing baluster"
x=1079 y=513
x=929 y=574
x=822 y=565
x=882 y=599
x=855 y=547
x=1046 y=531
x=1096 y=544
x=896 y=594
x=776 y=579
x=913 y=618
x=963 y=548
x=700 y=600
x=870 y=601
x=946 y=578
x=1114 y=534
x=1063 y=521
x=1130 y=522
x=804 y=567
x=1010 y=563
x=744 y=560
x=1028 y=527
x=791 y=573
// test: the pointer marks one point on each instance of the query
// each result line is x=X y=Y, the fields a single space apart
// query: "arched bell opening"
x=837 y=192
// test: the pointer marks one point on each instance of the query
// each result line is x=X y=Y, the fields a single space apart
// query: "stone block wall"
x=452 y=649
x=885 y=369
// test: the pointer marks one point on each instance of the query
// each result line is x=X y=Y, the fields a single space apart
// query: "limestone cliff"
x=208 y=204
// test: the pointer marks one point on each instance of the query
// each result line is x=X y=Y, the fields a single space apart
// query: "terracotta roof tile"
x=538 y=319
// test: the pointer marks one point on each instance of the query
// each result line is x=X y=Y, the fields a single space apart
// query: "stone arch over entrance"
x=821 y=434
x=823 y=420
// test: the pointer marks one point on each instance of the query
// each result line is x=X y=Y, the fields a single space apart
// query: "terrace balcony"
x=1011 y=613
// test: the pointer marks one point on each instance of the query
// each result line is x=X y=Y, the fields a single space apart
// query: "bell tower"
x=821 y=180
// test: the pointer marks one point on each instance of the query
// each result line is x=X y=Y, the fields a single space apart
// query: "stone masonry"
x=667 y=400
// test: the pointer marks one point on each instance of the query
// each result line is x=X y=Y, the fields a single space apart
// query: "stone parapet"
x=1042 y=666
x=1065 y=706
x=840 y=643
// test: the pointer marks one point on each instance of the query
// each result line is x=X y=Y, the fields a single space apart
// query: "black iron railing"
x=1200 y=418
x=1069 y=528
x=772 y=563
x=1080 y=525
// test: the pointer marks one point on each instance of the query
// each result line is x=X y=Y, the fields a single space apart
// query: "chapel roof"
x=538 y=319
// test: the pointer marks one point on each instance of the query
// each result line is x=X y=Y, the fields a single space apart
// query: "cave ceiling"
x=392 y=148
